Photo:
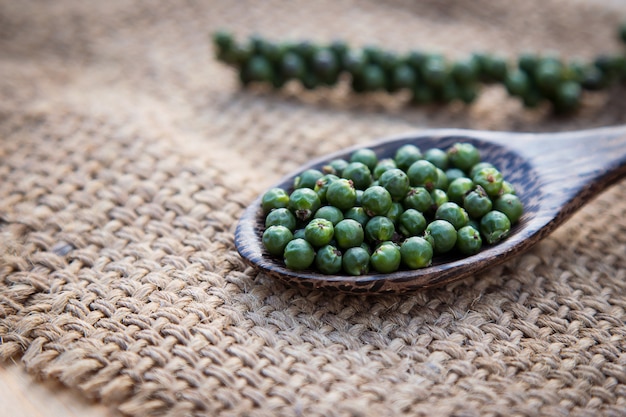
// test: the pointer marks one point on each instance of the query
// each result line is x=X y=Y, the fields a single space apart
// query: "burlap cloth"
x=127 y=154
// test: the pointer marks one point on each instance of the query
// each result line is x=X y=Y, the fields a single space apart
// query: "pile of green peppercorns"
x=429 y=77
x=365 y=213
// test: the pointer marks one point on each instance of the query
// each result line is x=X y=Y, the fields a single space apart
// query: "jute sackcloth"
x=127 y=154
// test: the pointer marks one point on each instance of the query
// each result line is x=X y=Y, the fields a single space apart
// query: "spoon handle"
x=573 y=167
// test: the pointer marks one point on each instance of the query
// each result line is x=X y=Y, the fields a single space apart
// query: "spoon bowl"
x=554 y=174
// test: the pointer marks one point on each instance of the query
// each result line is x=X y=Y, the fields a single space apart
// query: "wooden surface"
x=21 y=395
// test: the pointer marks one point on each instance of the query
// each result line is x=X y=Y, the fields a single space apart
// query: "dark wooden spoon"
x=554 y=174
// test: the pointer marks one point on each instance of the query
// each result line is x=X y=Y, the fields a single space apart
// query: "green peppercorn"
x=463 y=156
x=386 y=258
x=328 y=260
x=349 y=233
x=358 y=214
x=439 y=198
x=379 y=229
x=319 y=232
x=276 y=238
x=459 y=188
x=490 y=179
x=468 y=240
x=510 y=205
x=453 y=213
x=298 y=254
x=304 y=202
x=403 y=76
x=396 y=182
x=321 y=185
x=435 y=71
x=376 y=201
x=465 y=72
x=412 y=223
x=418 y=198
x=273 y=199
x=442 y=236
x=365 y=156
x=494 y=226
x=359 y=174
x=416 y=252
x=292 y=65
x=477 y=203
x=356 y=261
x=394 y=212
x=517 y=83
x=307 y=179
x=422 y=174
x=437 y=157
x=281 y=217
x=330 y=213
x=341 y=194
x=405 y=156
x=382 y=166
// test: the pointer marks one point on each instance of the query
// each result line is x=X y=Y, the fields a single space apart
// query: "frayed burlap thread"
x=127 y=154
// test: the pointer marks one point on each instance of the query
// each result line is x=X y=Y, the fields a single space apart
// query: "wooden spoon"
x=554 y=174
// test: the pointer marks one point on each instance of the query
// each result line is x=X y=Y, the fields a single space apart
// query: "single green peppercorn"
x=463 y=156
x=359 y=174
x=292 y=66
x=356 y=261
x=477 y=203
x=453 y=174
x=304 y=202
x=437 y=157
x=376 y=201
x=478 y=167
x=453 y=213
x=328 y=260
x=403 y=76
x=276 y=238
x=281 y=217
x=439 y=198
x=358 y=214
x=507 y=188
x=418 y=198
x=330 y=213
x=396 y=182
x=386 y=258
x=442 y=235
x=394 y=212
x=373 y=77
x=407 y=154
x=335 y=167
x=567 y=96
x=517 y=83
x=307 y=179
x=494 y=226
x=468 y=240
x=273 y=199
x=341 y=194
x=442 y=180
x=465 y=72
x=459 y=188
x=490 y=179
x=349 y=233
x=416 y=252
x=510 y=205
x=435 y=71
x=298 y=254
x=365 y=156
x=548 y=74
x=319 y=232
x=382 y=166
x=412 y=223
x=422 y=174
x=379 y=229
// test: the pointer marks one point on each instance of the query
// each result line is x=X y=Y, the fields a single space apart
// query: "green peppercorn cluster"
x=383 y=214
x=429 y=77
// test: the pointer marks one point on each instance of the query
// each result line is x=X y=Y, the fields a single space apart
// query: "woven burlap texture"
x=127 y=153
